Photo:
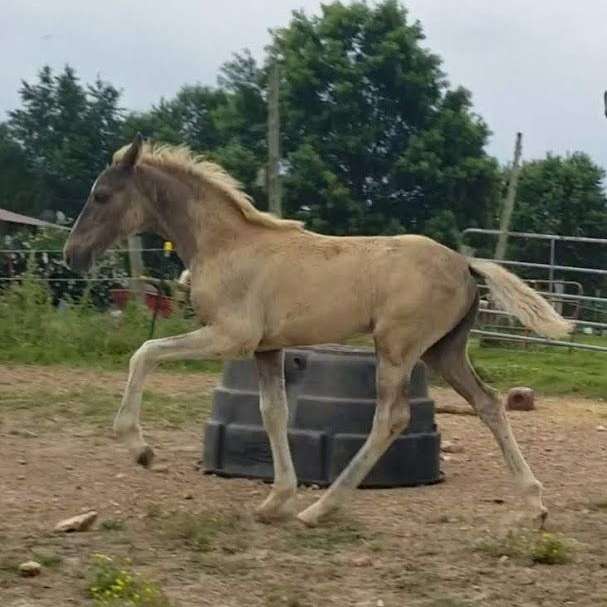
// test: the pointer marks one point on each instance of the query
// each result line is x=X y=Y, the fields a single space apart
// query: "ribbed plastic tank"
x=331 y=398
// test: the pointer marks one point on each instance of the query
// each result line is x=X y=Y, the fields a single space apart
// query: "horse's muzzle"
x=77 y=259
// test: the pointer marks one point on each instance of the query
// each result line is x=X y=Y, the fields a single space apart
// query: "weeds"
x=599 y=505
x=114 y=585
x=33 y=331
x=327 y=538
x=200 y=531
x=543 y=548
x=113 y=524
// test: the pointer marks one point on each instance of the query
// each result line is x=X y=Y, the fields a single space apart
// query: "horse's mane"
x=180 y=159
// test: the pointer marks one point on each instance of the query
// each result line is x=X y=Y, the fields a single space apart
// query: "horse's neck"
x=195 y=218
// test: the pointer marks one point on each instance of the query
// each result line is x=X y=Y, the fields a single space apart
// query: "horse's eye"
x=101 y=196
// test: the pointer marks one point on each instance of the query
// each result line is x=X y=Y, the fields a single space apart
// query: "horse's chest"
x=211 y=295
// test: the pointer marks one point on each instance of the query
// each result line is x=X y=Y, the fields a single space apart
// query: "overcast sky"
x=539 y=67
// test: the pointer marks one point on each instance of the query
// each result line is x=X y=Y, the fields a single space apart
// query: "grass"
x=113 y=524
x=47 y=558
x=98 y=407
x=113 y=584
x=548 y=370
x=533 y=547
x=32 y=331
x=328 y=538
x=204 y=531
x=599 y=505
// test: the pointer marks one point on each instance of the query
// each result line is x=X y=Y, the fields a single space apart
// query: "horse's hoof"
x=272 y=515
x=308 y=517
x=541 y=518
x=275 y=509
x=145 y=456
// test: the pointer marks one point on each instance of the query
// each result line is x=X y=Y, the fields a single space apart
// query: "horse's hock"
x=331 y=398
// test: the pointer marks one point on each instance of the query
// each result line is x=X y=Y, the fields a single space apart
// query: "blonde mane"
x=181 y=158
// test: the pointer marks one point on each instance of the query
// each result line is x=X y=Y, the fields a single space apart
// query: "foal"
x=260 y=284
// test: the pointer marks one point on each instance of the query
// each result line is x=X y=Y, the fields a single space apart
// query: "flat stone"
x=448 y=446
x=82 y=522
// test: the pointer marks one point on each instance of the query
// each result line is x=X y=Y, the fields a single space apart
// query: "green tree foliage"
x=561 y=195
x=18 y=184
x=226 y=123
x=66 y=133
x=375 y=140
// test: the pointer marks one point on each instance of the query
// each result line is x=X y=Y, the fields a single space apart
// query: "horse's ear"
x=131 y=156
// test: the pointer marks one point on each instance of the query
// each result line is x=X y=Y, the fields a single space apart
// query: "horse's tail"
x=520 y=300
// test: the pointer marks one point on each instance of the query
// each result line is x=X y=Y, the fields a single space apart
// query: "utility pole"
x=274 y=193
x=502 y=241
x=136 y=265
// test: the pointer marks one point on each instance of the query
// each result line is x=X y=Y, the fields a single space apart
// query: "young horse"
x=260 y=284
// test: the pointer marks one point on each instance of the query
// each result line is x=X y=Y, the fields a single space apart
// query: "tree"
x=225 y=123
x=374 y=139
x=19 y=191
x=66 y=133
x=565 y=196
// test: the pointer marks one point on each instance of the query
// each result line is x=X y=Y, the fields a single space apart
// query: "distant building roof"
x=11 y=217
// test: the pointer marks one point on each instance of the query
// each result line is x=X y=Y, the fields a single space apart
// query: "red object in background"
x=121 y=297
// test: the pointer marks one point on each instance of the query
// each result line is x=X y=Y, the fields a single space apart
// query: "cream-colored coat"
x=260 y=284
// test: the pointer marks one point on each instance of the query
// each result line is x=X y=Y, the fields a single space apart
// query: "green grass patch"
x=599 y=505
x=549 y=370
x=47 y=558
x=531 y=546
x=113 y=584
x=113 y=524
x=204 y=531
x=329 y=537
x=99 y=406
x=32 y=331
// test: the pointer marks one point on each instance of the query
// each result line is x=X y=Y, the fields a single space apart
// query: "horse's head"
x=114 y=210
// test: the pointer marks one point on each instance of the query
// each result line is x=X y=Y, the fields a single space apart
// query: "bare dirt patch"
x=195 y=535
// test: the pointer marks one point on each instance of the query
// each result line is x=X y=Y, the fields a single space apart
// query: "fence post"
x=274 y=193
x=136 y=266
x=502 y=242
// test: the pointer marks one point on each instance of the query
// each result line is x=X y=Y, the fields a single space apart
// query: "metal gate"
x=575 y=306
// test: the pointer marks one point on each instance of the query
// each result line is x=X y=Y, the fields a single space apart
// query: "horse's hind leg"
x=449 y=357
x=391 y=417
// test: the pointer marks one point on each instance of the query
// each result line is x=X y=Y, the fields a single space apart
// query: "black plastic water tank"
x=331 y=398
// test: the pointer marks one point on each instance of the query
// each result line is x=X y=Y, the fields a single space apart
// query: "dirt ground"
x=404 y=547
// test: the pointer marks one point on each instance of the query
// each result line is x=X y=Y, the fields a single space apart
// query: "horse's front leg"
x=274 y=412
x=205 y=343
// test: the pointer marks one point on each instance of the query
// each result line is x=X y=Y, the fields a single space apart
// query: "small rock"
x=315 y=487
x=601 y=429
x=120 y=475
x=160 y=469
x=445 y=458
x=82 y=522
x=451 y=447
x=520 y=399
x=22 y=462
x=504 y=559
x=379 y=603
x=24 y=433
x=21 y=477
x=362 y=561
x=30 y=569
